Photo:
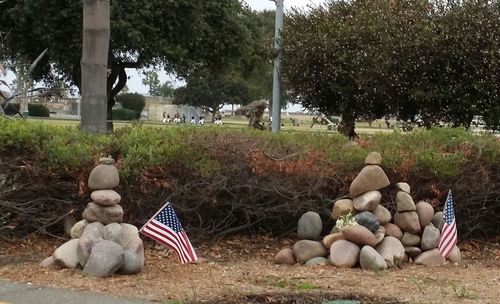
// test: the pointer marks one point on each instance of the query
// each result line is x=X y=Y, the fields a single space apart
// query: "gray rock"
x=430 y=237
x=380 y=234
x=413 y=251
x=48 y=262
x=317 y=261
x=404 y=202
x=105 y=215
x=77 y=229
x=105 y=197
x=370 y=178
x=344 y=254
x=129 y=235
x=342 y=207
x=425 y=213
x=383 y=215
x=430 y=258
x=285 y=257
x=113 y=232
x=367 y=201
x=393 y=230
x=131 y=241
x=304 y=250
x=403 y=187
x=391 y=250
x=438 y=220
x=104 y=177
x=367 y=219
x=90 y=236
x=455 y=255
x=65 y=255
x=373 y=158
x=410 y=239
x=132 y=262
x=329 y=239
x=407 y=221
x=359 y=235
x=106 y=161
x=309 y=226
x=370 y=259
x=104 y=260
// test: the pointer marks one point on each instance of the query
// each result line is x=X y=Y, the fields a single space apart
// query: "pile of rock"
x=101 y=244
x=372 y=241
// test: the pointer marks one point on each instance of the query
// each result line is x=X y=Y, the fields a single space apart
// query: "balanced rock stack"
x=101 y=244
x=365 y=233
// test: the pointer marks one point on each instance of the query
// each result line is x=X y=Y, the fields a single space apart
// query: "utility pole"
x=278 y=55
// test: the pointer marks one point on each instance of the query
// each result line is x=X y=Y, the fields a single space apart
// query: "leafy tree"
x=181 y=36
x=132 y=101
x=156 y=88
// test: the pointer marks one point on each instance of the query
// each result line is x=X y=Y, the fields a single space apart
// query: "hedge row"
x=34 y=109
x=227 y=180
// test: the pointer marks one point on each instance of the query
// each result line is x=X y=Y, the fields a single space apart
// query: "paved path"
x=15 y=293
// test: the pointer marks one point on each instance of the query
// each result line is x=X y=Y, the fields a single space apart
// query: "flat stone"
x=105 y=215
x=403 y=187
x=410 y=239
x=317 y=261
x=344 y=254
x=305 y=250
x=370 y=178
x=430 y=258
x=392 y=250
x=329 y=239
x=404 y=202
x=425 y=213
x=78 y=228
x=105 y=197
x=383 y=215
x=393 y=230
x=309 y=226
x=430 y=237
x=104 y=260
x=367 y=201
x=66 y=254
x=407 y=221
x=367 y=219
x=373 y=158
x=370 y=259
x=359 y=235
x=104 y=177
x=285 y=257
x=342 y=207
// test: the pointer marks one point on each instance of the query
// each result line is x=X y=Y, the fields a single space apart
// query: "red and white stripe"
x=448 y=239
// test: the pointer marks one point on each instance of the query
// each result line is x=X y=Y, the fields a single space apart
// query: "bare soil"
x=241 y=270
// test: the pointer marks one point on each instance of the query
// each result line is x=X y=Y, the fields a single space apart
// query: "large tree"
x=437 y=61
x=180 y=36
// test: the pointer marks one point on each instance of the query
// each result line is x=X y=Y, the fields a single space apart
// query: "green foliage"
x=34 y=109
x=132 y=101
x=124 y=114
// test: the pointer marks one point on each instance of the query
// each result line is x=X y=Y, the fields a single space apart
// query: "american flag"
x=165 y=227
x=449 y=232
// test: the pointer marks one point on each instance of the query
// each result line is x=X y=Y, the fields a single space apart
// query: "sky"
x=135 y=76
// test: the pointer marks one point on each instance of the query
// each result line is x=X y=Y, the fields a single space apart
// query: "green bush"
x=132 y=101
x=124 y=114
x=34 y=109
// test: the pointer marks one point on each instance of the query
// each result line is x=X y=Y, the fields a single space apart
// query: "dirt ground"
x=241 y=270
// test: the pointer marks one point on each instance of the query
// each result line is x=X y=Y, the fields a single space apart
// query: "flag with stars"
x=165 y=227
x=449 y=233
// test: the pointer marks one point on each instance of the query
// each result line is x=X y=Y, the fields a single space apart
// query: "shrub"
x=124 y=114
x=34 y=109
x=132 y=101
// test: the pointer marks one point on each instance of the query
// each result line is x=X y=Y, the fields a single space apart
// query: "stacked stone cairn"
x=101 y=244
x=366 y=234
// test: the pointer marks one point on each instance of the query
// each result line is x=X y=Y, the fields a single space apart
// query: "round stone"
x=309 y=226
x=367 y=219
x=342 y=207
x=104 y=177
x=425 y=213
x=285 y=257
x=105 y=197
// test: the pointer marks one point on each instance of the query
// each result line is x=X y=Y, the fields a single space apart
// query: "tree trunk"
x=347 y=125
x=96 y=31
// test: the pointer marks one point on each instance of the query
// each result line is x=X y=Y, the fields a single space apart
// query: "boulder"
x=329 y=239
x=344 y=254
x=342 y=207
x=131 y=243
x=304 y=250
x=104 y=260
x=370 y=178
x=285 y=257
x=393 y=230
x=90 y=236
x=373 y=158
x=132 y=262
x=410 y=239
x=112 y=232
x=106 y=197
x=407 y=221
x=430 y=258
x=65 y=255
x=391 y=250
x=370 y=259
x=77 y=229
x=309 y=226
x=425 y=213
x=367 y=219
x=359 y=235
x=437 y=220
x=404 y=202
x=104 y=177
x=403 y=187
x=367 y=201
x=383 y=215
x=317 y=261
x=430 y=237
x=105 y=215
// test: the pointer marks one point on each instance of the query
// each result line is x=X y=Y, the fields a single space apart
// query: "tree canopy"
x=437 y=61
x=180 y=36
